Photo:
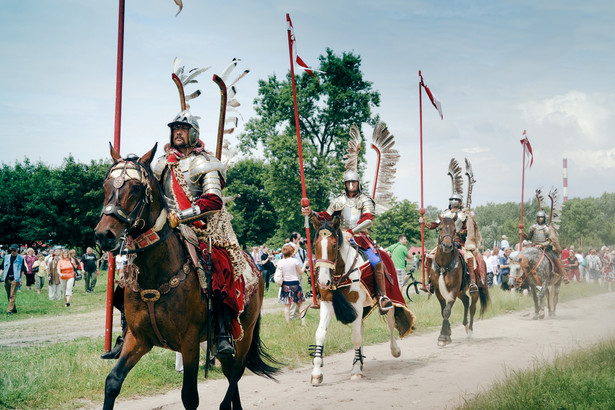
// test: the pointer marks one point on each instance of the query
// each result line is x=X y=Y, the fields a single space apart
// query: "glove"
x=173 y=219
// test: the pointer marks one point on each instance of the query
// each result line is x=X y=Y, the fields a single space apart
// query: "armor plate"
x=539 y=234
x=351 y=210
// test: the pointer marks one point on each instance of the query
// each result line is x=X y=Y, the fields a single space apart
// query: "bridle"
x=336 y=280
x=125 y=170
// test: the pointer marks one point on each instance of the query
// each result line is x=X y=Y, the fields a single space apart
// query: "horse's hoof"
x=441 y=343
x=316 y=380
x=396 y=352
x=541 y=315
x=470 y=333
x=356 y=376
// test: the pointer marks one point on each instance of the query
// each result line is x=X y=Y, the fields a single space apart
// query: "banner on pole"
x=529 y=155
x=296 y=59
x=433 y=99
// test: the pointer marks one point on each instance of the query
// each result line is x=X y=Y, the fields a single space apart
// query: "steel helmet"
x=351 y=176
x=455 y=198
x=541 y=214
x=186 y=118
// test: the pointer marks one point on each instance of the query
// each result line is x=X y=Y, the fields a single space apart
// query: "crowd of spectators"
x=26 y=268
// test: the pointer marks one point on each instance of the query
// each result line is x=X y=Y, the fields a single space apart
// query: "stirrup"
x=384 y=304
x=473 y=288
x=224 y=346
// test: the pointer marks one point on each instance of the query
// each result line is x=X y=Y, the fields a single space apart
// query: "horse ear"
x=336 y=222
x=114 y=154
x=147 y=158
x=315 y=221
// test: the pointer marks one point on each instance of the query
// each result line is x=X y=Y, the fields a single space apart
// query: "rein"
x=532 y=272
x=327 y=263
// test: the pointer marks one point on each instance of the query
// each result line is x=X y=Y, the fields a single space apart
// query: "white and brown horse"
x=340 y=274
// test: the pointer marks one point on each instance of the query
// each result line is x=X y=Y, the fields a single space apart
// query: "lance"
x=116 y=146
x=305 y=202
x=422 y=208
x=522 y=188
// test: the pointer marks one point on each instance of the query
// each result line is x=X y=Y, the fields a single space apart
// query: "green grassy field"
x=69 y=375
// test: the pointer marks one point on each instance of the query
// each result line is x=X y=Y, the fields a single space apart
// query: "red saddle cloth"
x=392 y=286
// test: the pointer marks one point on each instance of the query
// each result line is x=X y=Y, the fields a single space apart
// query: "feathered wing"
x=540 y=197
x=383 y=142
x=354 y=145
x=471 y=181
x=454 y=171
x=231 y=121
x=183 y=79
x=556 y=207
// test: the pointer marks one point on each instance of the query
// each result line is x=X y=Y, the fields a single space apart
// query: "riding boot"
x=428 y=288
x=470 y=264
x=384 y=303
x=559 y=268
x=119 y=342
x=224 y=340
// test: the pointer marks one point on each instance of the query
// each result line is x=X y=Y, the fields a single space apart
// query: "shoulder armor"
x=337 y=204
x=203 y=164
x=448 y=214
x=158 y=167
x=366 y=204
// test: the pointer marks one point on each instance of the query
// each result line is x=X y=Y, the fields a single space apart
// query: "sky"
x=497 y=67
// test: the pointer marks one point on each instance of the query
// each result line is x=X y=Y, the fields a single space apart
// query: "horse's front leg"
x=534 y=292
x=395 y=350
x=445 y=331
x=541 y=300
x=132 y=351
x=190 y=356
x=326 y=313
x=357 y=339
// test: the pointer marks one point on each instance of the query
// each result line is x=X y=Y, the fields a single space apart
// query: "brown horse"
x=164 y=305
x=448 y=280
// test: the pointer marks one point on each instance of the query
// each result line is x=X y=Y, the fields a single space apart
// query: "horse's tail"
x=344 y=311
x=483 y=296
x=255 y=359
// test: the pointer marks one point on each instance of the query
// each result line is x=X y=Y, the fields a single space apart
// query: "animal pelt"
x=557 y=248
x=473 y=237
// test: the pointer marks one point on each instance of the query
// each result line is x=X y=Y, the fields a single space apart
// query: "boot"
x=119 y=342
x=384 y=303
x=224 y=340
x=470 y=264
x=560 y=270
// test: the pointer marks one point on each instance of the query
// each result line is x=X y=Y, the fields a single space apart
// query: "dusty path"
x=425 y=376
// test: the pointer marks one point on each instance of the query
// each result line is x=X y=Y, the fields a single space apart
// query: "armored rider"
x=466 y=238
x=192 y=181
x=545 y=237
x=356 y=211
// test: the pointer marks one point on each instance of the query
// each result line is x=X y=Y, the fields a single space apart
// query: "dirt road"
x=425 y=376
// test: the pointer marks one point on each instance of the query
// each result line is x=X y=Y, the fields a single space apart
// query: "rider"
x=192 y=181
x=356 y=211
x=467 y=236
x=545 y=237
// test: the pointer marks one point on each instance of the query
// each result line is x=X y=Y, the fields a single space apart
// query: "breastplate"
x=351 y=213
x=540 y=234
x=167 y=185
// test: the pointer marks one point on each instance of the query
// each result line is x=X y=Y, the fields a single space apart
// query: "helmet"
x=351 y=176
x=186 y=118
x=455 y=201
x=541 y=214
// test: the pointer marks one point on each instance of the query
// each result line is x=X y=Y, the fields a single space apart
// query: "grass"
x=580 y=380
x=71 y=375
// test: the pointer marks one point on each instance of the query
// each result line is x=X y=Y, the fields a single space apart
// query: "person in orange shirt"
x=67 y=276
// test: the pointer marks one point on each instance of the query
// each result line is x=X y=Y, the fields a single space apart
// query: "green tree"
x=326 y=112
x=254 y=217
x=401 y=219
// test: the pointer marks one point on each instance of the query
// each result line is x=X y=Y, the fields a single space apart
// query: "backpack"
x=592 y=264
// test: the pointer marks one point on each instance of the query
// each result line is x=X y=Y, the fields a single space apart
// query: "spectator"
x=505 y=268
x=291 y=291
x=494 y=261
x=488 y=267
x=30 y=258
x=504 y=244
x=14 y=265
x=573 y=266
x=579 y=255
x=67 y=276
x=592 y=267
x=267 y=269
x=40 y=272
x=399 y=252
x=53 y=274
x=90 y=270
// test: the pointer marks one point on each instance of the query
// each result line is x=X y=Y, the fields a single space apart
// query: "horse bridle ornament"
x=130 y=169
x=332 y=264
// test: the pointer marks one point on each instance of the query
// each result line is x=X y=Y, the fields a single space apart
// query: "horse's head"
x=327 y=243
x=132 y=200
x=446 y=238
